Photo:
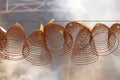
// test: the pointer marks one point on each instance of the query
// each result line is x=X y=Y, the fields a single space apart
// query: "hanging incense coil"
x=15 y=40
x=86 y=55
x=3 y=43
x=73 y=28
x=84 y=51
x=105 y=40
x=68 y=41
x=81 y=35
x=35 y=50
x=115 y=28
x=57 y=39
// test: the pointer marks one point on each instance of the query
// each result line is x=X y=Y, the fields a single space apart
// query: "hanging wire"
x=60 y=20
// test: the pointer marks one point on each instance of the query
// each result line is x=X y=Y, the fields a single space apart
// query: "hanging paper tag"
x=42 y=28
x=40 y=37
x=3 y=29
x=51 y=21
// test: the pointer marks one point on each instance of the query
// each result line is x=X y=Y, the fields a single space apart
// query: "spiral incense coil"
x=73 y=28
x=3 y=42
x=115 y=28
x=55 y=36
x=84 y=56
x=68 y=42
x=84 y=51
x=35 y=50
x=82 y=38
x=105 y=41
x=15 y=40
x=113 y=42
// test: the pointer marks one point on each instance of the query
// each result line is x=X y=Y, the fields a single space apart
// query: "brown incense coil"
x=3 y=42
x=105 y=41
x=35 y=50
x=57 y=39
x=73 y=28
x=115 y=28
x=84 y=51
x=68 y=41
x=82 y=38
x=15 y=40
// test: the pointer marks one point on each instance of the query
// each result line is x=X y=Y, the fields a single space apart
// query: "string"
x=60 y=20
